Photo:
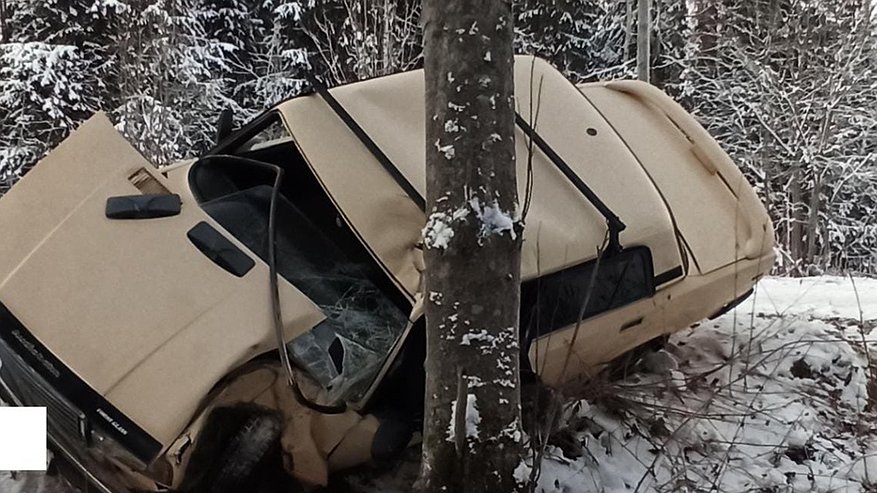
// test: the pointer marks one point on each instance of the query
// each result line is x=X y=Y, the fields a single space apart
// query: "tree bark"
x=796 y=234
x=813 y=221
x=643 y=41
x=472 y=240
x=4 y=34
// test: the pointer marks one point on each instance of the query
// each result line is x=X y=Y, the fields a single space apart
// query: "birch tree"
x=472 y=426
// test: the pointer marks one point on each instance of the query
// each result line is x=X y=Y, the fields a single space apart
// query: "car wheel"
x=239 y=451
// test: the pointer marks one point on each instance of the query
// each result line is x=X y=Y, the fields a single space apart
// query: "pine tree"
x=175 y=82
x=280 y=56
x=54 y=70
x=584 y=39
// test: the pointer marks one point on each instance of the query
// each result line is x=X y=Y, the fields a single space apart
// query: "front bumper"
x=81 y=425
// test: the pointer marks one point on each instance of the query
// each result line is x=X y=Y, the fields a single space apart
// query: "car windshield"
x=318 y=254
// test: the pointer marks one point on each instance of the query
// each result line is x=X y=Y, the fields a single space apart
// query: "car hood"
x=130 y=306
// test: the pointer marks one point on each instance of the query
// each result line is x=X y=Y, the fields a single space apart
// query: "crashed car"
x=139 y=304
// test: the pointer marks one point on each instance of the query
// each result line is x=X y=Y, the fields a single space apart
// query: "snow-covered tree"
x=671 y=34
x=358 y=39
x=585 y=39
x=44 y=92
x=279 y=58
x=53 y=71
x=176 y=80
x=785 y=86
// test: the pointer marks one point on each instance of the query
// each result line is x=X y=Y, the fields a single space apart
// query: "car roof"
x=562 y=228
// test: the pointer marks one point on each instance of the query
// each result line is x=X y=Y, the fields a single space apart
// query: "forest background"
x=789 y=87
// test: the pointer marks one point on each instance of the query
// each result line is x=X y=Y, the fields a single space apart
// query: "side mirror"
x=225 y=125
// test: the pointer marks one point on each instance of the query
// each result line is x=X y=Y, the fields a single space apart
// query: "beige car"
x=136 y=303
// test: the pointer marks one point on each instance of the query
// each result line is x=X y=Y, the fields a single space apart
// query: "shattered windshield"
x=316 y=252
x=345 y=352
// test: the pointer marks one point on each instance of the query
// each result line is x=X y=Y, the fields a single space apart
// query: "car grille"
x=32 y=390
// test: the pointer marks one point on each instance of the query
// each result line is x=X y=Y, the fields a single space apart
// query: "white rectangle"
x=22 y=439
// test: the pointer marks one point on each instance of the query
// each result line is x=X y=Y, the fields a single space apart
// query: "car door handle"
x=219 y=249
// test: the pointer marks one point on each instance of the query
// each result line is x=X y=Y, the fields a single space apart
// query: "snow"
x=522 y=472
x=721 y=407
x=290 y=10
x=494 y=220
x=439 y=227
x=103 y=6
x=473 y=419
x=32 y=482
x=769 y=397
x=815 y=297
x=438 y=231
x=480 y=336
x=447 y=150
x=451 y=126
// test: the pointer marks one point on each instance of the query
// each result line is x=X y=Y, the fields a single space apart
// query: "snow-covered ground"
x=771 y=397
x=32 y=482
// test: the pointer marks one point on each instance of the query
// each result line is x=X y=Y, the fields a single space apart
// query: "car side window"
x=561 y=299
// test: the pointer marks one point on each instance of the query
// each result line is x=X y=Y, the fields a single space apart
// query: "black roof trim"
x=368 y=143
x=616 y=226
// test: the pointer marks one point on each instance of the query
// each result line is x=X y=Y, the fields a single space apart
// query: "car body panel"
x=576 y=353
x=121 y=317
x=367 y=197
x=716 y=211
x=563 y=228
x=315 y=444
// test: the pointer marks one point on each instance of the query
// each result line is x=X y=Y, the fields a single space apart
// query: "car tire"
x=249 y=447
x=239 y=452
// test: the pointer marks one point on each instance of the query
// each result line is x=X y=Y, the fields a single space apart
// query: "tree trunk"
x=707 y=32
x=813 y=222
x=472 y=427
x=628 y=27
x=643 y=41
x=796 y=236
x=4 y=34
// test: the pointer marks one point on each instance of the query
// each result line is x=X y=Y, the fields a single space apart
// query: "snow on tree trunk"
x=472 y=429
